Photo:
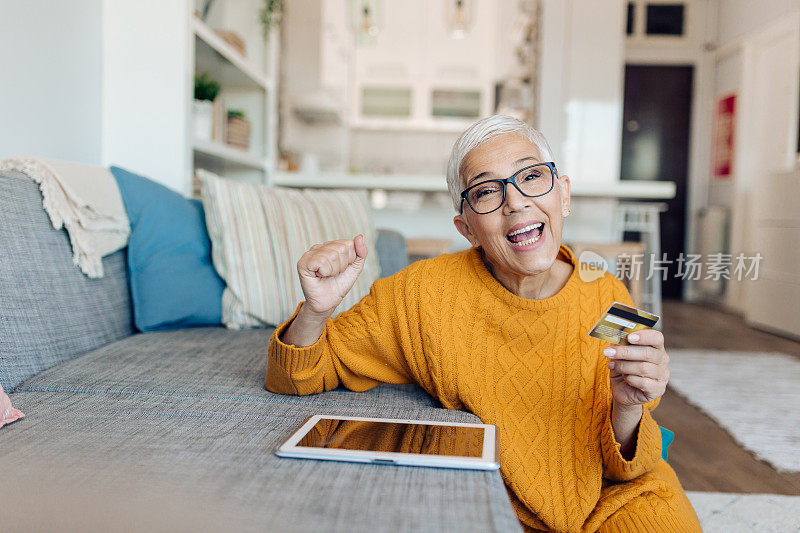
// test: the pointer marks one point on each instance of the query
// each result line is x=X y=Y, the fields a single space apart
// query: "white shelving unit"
x=213 y=53
x=151 y=52
x=236 y=158
x=247 y=82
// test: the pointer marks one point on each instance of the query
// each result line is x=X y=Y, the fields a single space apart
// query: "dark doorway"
x=655 y=146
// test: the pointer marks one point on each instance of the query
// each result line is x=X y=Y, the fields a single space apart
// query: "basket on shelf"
x=237 y=132
x=233 y=39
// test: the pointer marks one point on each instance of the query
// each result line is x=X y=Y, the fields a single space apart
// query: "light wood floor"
x=704 y=455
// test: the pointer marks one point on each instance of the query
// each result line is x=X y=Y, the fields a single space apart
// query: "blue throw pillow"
x=173 y=282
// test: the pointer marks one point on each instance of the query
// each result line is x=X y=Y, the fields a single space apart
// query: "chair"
x=426 y=248
x=644 y=218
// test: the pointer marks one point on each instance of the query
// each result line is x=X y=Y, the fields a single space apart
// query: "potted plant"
x=270 y=15
x=205 y=92
x=238 y=129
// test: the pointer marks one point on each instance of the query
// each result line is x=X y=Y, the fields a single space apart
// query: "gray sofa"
x=175 y=431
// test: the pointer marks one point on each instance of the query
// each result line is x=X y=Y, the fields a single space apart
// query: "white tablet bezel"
x=488 y=461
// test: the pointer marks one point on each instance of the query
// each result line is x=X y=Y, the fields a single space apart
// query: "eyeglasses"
x=531 y=181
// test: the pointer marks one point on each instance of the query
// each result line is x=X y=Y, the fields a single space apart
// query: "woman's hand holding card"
x=639 y=372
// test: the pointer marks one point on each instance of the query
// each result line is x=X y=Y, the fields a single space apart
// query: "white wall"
x=739 y=18
x=581 y=86
x=735 y=21
x=81 y=83
x=581 y=90
x=50 y=54
x=739 y=26
x=147 y=86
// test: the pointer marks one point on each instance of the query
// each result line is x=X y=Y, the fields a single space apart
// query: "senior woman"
x=501 y=330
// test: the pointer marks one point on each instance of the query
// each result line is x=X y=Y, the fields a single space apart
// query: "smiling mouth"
x=527 y=235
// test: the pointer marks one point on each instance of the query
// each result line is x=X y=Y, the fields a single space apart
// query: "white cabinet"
x=773 y=296
x=415 y=57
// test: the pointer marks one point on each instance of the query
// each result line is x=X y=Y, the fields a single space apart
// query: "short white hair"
x=480 y=132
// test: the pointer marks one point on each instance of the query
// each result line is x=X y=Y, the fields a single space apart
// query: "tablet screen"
x=395 y=437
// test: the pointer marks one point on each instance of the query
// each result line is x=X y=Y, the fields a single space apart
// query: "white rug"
x=739 y=513
x=755 y=396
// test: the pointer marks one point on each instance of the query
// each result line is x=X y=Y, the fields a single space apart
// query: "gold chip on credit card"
x=620 y=320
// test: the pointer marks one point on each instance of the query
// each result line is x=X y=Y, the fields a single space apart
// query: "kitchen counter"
x=656 y=190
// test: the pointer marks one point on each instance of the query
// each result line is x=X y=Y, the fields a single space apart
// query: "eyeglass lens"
x=488 y=196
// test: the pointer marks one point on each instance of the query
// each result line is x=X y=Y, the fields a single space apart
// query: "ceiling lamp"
x=365 y=20
x=459 y=18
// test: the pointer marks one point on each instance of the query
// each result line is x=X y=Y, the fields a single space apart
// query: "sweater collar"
x=567 y=292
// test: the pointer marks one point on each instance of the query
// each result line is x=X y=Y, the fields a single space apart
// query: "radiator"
x=712 y=239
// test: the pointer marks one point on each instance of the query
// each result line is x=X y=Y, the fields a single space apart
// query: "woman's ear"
x=564 y=187
x=463 y=228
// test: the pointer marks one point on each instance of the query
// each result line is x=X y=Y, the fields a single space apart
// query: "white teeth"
x=526 y=228
x=526 y=243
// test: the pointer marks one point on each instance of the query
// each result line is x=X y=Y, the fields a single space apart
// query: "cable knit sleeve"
x=648 y=435
x=360 y=349
x=648 y=447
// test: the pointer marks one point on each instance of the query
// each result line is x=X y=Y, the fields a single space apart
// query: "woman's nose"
x=515 y=200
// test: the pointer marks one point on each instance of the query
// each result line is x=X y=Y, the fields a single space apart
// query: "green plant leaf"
x=205 y=88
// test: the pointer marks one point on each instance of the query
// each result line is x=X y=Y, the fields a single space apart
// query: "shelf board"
x=225 y=64
x=228 y=155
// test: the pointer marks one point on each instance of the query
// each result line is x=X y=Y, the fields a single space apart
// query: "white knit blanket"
x=85 y=200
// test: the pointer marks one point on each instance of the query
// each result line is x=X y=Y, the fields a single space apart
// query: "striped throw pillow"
x=258 y=234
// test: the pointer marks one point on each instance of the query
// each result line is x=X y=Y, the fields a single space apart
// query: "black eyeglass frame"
x=512 y=180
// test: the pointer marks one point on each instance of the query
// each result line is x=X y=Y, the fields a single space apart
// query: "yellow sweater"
x=524 y=365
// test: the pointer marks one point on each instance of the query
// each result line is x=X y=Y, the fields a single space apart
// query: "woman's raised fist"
x=328 y=271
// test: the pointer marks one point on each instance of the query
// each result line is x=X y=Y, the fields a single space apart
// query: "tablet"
x=394 y=442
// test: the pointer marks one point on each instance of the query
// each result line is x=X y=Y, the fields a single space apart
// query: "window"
x=629 y=24
x=655 y=20
x=664 y=19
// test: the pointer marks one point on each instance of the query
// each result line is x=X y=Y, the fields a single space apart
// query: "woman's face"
x=521 y=255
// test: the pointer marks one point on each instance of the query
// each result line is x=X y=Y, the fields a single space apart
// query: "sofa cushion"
x=50 y=312
x=258 y=234
x=173 y=283
x=213 y=458
x=199 y=363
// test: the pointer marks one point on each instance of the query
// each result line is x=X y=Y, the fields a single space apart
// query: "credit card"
x=620 y=320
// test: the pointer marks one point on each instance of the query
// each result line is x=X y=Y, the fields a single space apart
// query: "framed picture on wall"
x=723 y=142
